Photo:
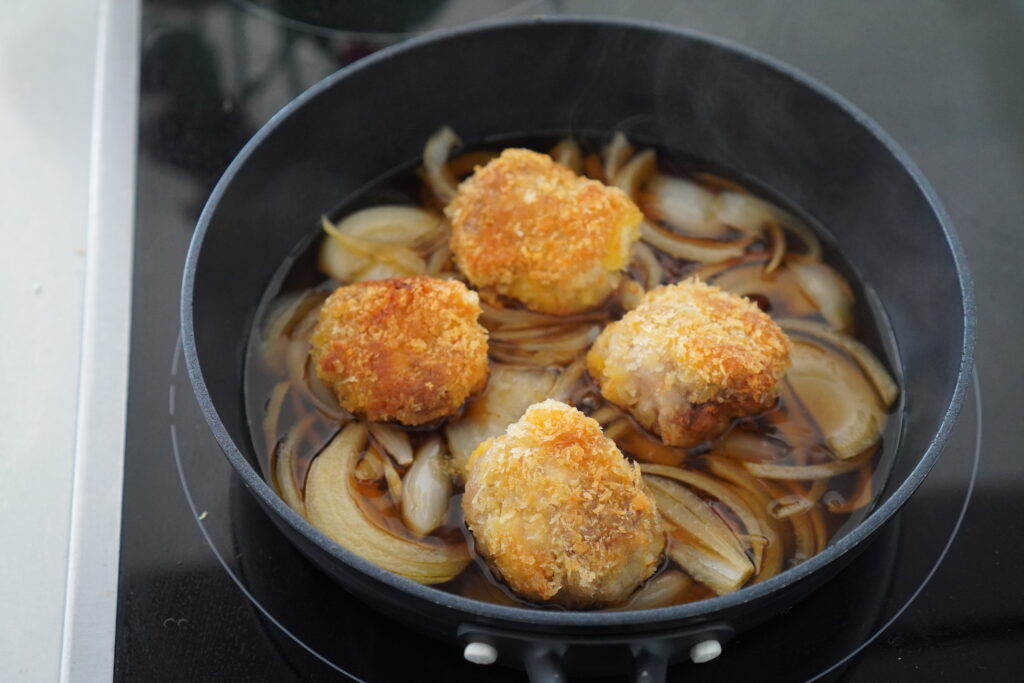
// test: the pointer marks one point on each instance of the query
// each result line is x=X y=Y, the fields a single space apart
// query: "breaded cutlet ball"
x=689 y=359
x=558 y=512
x=407 y=349
x=528 y=228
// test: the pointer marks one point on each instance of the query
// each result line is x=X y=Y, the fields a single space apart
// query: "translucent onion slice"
x=667 y=588
x=567 y=380
x=427 y=488
x=759 y=500
x=284 y=466
x=272 y=416
x=333 y=510
x=755 y=535
x=859 y=497
x=778 y=241
x=568 y=153
x=829 y=291
x=353 y=259
x=807 y=472
x=321 y=395
x=635 y=173
x=838 y=397
x=616 y=154
x=692 y=249
x=686 y=206
x=394 y=440
x=744 y=212
x=749 y=446
x=747 y=278
x=495 y=318
x=510 y=391
x=644 y=257
x=686 y=510
x=883 y=382
x=435 y=163
x=465 y=164
x=643 y=447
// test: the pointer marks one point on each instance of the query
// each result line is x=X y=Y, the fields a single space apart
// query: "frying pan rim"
x=650 y=619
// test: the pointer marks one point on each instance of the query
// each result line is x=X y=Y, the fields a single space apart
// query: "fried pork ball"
x=689 y=359
x=558 y=512
x=406 y=349
x=530 y=229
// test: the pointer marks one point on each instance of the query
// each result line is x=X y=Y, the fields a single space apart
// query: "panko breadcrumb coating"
x=406 y=349
x=689 y=359
x=559 y=513
x=528 y=228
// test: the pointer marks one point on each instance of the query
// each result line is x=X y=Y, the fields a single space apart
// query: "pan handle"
x=650 y=662
x=543 y=665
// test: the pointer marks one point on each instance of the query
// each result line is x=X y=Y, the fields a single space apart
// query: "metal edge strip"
x=90 y=601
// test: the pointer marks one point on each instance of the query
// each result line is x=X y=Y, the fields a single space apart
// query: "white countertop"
x=68 y=93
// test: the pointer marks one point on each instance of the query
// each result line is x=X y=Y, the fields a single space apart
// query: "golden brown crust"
x=689 y=359
x=406 y=349
x=559 y=513
x=528 y=228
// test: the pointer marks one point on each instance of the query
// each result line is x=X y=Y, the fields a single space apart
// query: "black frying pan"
x=704 y=98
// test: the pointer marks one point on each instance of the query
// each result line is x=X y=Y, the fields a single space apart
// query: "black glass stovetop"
x=211 y=591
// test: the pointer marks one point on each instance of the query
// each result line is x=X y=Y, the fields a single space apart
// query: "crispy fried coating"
x=528 y=228
x=406 y=349
x=689 y=359
x=559 y=513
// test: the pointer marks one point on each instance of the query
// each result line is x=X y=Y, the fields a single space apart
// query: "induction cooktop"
x=209 y=589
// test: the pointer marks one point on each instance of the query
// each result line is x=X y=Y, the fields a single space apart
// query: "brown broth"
x=789 y=423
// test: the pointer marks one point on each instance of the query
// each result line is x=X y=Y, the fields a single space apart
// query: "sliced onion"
x=686 y=206
x=778 y=242
x=667 y=588
x=465 y=164
x=567 y=380
x=758 y=499
x=567 y=152
x=748 y=446
x=747 y=278
x=829 y=291
x=333 y=510
x=643 y=447
x=876 y=372
x=634 y=173
x=435 y=163
x=391 y=476
x=744 y=212
x=273 y=414
x=322 y=395
x=718 y=183
x=350 y=259
x=616 y=154
x=838 y=397
x=807 y=472
x=606 y=414
x=859 y=497
x=630 y=294
x=394 y=440
x=644 y=257
x=427 y=488
x=687 y=511
x=495 y=318
x=692 y=249
x=755 y=535
x=284 y=466
x=510 y=391
x=370 y=467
